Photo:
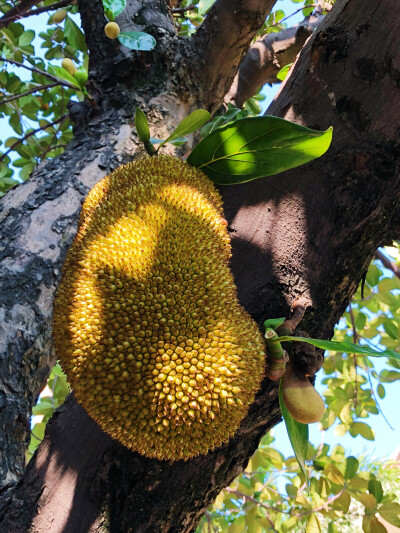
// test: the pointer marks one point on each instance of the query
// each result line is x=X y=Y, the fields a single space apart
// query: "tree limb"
x=7 y=19
x=267 y=56
x=41 y=72
x=20 y=9
x=30 y=91
x=387 y=263
x=33 y=132
x=215 y=51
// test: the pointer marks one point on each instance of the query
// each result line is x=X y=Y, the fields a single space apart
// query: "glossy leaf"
x=142 y=126
x=189 y=124
x=115 y=6
x=255 y=147
x=274 y=322
x=348 y=347
x=297 y=432
x=137 y=40
x=74 y=35
x=63 y=75
x=284 y=72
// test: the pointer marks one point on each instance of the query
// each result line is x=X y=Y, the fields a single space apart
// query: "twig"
x=41 y=72
x=387 y=263
x=355 y=340
x=181 y=10
x=35 y=89
x=48 y=149
x=42 y=128
x=7 y=19
x=258 y=503
x=292 y=15
x=298 y=310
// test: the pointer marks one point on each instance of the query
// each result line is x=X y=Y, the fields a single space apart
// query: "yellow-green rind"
x=147 y=324
x=302 y=401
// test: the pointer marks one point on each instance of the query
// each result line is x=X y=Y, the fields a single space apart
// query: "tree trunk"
x=309 y=232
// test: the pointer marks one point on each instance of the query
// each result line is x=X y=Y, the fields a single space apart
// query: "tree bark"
x=309 y=232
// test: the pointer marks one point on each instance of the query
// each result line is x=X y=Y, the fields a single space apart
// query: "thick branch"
x=266 y=57
x=219 y=45
x=387 y=263
x=19 y=10
x=7 y=18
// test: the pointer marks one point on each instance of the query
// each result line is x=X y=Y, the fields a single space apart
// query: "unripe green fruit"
x=301 y=399
x=112 y=30
x=69 y=66
x=59 y=16
x=81 y=76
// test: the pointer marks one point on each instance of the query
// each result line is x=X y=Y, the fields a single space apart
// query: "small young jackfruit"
x=147 y=323
x=301 y=399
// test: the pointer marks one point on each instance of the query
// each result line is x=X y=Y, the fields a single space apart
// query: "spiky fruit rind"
x=301 y=399
x=146 y=321
x=111 y=29
x=68 y=65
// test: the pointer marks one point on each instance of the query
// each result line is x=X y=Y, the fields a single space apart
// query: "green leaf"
x=74 y=35
x=274 y=322
x=390 y=512
x=388 y=376
x=375 y=488
x=371 y=524
x=297 y=432
x=142 y=126
x=313 y=524
x=115 y=6
x=137 y=40
x=344 y=346
x=352 y=465
x=255 y=147
x=360 y=428
x=284 y=72
x=191 y=123
x=381 y=391
x=63 y=75
x=26 y=38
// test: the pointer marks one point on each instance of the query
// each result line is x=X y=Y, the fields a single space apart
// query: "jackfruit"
x=301 y=399
x=147 y=324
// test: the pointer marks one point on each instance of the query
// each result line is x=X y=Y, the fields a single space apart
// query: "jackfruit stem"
x=277 y=357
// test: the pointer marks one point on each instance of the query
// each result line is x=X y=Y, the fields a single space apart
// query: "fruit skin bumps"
x=146 y=320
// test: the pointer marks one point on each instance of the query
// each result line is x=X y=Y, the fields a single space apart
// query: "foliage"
x=35 y=92
x=51 y=397
x=344 y=493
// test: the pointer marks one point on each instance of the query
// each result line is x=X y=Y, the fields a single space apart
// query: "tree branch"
x=215 y=51
x=30 y=91
x=387 y=263
x=267 y=56
x=33 y=132
x=7 y=19
x=41 y=72
x=20 y=9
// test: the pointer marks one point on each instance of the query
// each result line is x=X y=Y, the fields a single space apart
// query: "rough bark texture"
x=218 y=47
x=267 y=56
x=311 y=231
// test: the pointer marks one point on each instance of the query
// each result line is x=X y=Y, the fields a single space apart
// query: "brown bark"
x=219 y=45
x=266 y=57
x=311 y=232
